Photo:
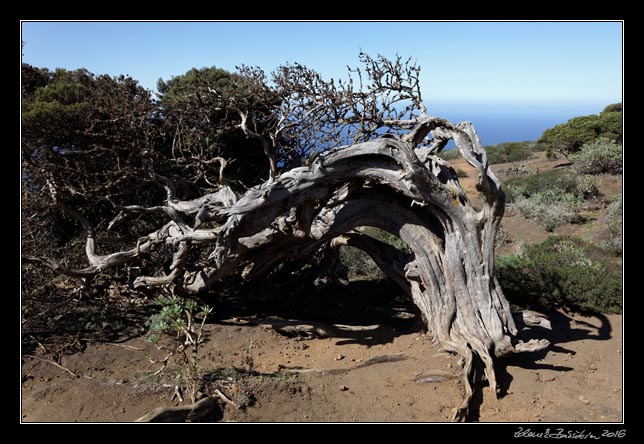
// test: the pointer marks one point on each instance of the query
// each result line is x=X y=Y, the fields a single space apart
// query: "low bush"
x=355 y=262
x=450 y=154
x=552 y=198
x=614 y=225
x=550 y=209
x=553 y=180
x=598 y=157
x=562 y=272
x=512 y=151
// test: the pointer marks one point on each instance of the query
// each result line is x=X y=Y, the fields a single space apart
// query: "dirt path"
x=578 y=379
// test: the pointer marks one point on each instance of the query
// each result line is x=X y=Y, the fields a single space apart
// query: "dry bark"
x=394 y=184
x=205 y=410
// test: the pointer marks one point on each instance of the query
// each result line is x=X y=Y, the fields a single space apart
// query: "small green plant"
x=562 y=272
x=460 y=173
x=249 y=361
x=178 y=318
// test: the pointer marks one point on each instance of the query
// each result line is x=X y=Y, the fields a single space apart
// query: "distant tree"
x=569 y=137
x=206 y=141
x=615 y=107
x=291 y=113
x=84 y=140
x=572 y=135
x=610 y=123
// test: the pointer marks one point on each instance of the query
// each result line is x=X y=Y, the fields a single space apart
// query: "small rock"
x=344 y=388
x=449 y=365
x=339 y=357
x=584 y=400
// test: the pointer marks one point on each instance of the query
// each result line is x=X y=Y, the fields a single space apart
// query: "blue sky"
x=472 y=62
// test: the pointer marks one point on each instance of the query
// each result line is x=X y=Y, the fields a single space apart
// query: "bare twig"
x=225 y=398
x=128 y=347
x=56 y=364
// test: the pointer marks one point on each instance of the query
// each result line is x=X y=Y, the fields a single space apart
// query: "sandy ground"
x=579 y=379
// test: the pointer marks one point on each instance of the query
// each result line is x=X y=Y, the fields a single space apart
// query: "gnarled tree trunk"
x=384 y=183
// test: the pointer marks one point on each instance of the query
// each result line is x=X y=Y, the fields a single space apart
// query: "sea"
x=511 y=122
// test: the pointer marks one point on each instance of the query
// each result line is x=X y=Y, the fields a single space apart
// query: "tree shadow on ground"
x=65 y=322
x=377 y=303
x=564 y=330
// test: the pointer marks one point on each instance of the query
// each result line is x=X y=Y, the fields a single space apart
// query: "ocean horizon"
x=499 y=123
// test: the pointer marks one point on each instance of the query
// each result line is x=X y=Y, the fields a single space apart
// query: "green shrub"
x=614 y=223
x=564 y=273
x=569 y=137
x=449 y=154
x=587 y=187
x=502 y=152
x=355 y=262
x=598 y=157
x=550 y=209
x=553 y=180
x=551 y=198
x=512 y=151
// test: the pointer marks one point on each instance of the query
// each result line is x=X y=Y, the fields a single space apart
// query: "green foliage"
x=564 y=273
x=177 y=318
x=512 y=151
x=550 y=209
x=613 y=108
x=193 y=105
x=551 y=198
x=598 y=157
x=502 y=153
x=449 y=154
x=569 y=137
x=614 y=227
x=555 y=181
x=84 y=136
x=355 y=262
x=610 y=123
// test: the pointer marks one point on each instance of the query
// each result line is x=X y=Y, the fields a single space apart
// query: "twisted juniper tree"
x=386 y=175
